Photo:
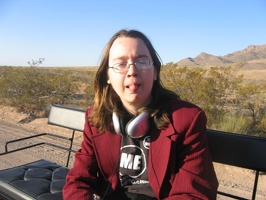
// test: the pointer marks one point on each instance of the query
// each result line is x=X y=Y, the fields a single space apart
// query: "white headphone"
x=135 y=128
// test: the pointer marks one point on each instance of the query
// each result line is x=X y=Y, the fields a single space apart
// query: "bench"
x=238 y=150
x=44 y=179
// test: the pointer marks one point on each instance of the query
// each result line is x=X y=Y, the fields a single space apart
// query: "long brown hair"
x=106 y=101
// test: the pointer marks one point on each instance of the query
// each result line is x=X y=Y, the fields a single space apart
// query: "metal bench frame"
x=70 y=118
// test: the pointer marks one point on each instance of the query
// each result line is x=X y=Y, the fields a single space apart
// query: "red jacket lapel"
x=159 y=156
x=107 y=150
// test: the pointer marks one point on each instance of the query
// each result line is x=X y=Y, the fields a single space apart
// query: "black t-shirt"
x=134 y=157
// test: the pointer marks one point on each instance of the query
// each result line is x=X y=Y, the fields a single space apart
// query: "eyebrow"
x=135 y=57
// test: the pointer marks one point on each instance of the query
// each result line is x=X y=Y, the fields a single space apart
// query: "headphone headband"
x=135 y=128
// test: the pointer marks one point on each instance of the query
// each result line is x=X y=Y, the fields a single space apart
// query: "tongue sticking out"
x=133 y=88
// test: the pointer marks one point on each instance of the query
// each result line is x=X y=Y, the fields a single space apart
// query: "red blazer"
x=180 y=166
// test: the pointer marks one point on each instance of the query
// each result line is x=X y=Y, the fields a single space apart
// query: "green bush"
x=230 y=103
x=32 y=90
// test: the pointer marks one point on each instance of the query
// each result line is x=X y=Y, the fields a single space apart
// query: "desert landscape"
x=235 y=180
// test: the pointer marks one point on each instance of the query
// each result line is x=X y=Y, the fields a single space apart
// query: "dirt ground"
x=13 y=125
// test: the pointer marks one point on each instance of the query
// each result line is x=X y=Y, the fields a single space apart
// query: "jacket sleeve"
x=81 y=181
x=193 y=176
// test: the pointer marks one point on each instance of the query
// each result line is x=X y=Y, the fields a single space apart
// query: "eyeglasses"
x=124 y=67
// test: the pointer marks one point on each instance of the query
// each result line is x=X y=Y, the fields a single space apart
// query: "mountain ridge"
x=253 y=56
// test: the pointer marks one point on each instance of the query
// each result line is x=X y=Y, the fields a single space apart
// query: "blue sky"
x=74 y=32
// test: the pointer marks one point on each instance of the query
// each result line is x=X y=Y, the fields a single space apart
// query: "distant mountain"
x=252 y=52
x=253 y=57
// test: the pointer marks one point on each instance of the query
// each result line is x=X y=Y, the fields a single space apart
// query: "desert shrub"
x=210 y=89
x=32 y=90
x=251 y=98
x=232 y=123
x=230 y=104
x=88 y=90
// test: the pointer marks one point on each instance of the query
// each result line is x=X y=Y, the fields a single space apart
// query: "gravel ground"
x=232 y=179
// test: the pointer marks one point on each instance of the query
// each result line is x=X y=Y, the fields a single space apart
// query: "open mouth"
x=133 y=87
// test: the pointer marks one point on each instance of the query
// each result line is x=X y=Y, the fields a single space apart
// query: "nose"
x=132 y=70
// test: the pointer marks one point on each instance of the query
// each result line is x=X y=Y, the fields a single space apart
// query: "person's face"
x=134 y=86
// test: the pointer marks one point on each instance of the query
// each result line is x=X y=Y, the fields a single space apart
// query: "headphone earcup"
x=116 y=123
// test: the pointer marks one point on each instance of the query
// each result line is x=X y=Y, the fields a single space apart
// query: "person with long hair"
x=140 y=140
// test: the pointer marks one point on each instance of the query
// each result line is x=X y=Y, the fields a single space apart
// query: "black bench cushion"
x=38 y=180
